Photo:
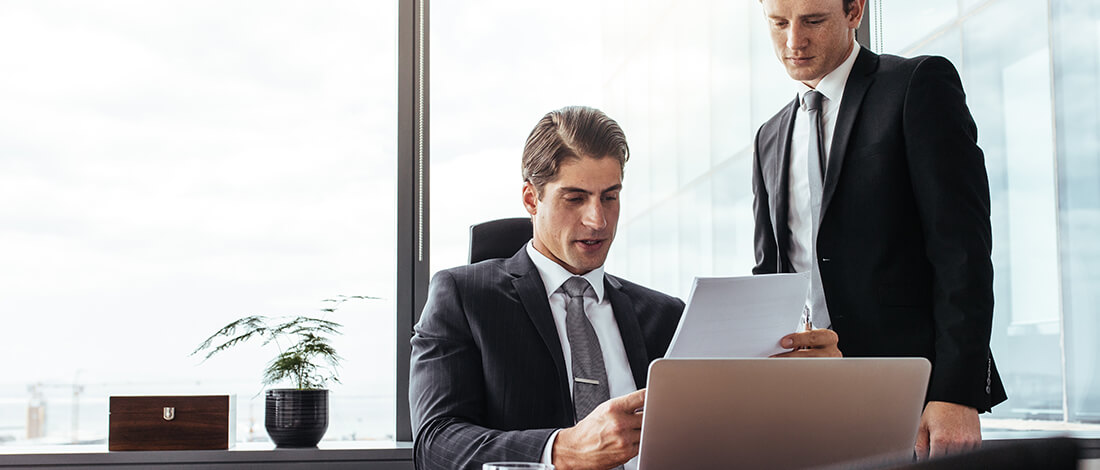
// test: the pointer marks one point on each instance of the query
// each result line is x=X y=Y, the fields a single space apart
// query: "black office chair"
x=1058 y=453
x=499 y=238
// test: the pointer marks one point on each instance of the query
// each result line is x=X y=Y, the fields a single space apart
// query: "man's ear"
x=530 y=198
x=855 y=16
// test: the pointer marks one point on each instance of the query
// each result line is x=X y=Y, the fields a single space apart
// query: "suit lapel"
x=532 y=293
x=629 y=329
x=781 y=175
x=859 y=80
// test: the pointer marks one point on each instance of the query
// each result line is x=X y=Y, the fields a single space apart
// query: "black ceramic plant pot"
x=296 y=418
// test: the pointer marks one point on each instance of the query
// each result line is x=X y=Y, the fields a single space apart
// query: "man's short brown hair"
x=847 y=5
x=570 y=132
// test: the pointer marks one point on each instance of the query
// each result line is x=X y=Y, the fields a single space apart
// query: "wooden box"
x=172 y=423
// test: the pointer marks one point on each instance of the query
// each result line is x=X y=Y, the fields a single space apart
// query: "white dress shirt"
x=597 y=307
x=799 y=217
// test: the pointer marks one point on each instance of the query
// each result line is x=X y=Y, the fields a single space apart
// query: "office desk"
x=368 y=455
x=380 y=455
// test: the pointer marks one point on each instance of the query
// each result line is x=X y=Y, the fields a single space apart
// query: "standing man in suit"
x=539 y=357
x=872 y=180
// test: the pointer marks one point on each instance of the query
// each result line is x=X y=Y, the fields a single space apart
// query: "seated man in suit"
x=539 y=357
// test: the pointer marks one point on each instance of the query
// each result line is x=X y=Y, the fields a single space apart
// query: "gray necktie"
x=589 y=376
x=818 y=308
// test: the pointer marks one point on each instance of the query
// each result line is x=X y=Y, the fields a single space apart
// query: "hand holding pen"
x=811 y=342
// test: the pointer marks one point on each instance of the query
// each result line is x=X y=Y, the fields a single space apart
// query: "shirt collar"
x=553 y=275
x=832 y=84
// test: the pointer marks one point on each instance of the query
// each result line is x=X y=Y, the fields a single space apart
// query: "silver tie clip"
x=586 y=381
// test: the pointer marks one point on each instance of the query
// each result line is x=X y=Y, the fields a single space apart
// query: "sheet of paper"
x=730 y=317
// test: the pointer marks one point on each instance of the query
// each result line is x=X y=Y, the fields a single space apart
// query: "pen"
x=807 y=322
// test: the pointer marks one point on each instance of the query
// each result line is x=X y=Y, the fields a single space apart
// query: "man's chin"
x=584 y=264
x=802 y=74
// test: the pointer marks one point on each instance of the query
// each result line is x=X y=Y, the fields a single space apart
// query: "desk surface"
x=373 y=455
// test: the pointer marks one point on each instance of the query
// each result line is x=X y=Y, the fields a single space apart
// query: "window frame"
x=413 y=186
x=412 y=276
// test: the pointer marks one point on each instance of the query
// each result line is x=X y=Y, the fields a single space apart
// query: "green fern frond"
x=255 y=325
x=309 y=360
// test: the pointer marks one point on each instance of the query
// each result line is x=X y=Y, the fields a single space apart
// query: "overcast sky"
x=170 y=166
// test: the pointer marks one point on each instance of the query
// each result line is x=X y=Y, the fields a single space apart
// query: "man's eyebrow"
x=808 y=16
x=571 y=189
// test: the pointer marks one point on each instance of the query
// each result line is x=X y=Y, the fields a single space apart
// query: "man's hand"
x=815 y=343
x=947 y=428
x=606 y=438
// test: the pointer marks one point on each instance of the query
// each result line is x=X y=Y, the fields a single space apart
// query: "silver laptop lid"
x=780 y=413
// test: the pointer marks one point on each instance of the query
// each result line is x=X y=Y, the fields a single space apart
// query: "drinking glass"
x=516 y=466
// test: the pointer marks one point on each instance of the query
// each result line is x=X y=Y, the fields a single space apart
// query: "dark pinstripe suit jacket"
x=488 y=380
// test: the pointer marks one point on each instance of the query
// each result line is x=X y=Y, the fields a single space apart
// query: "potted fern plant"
x=293 y=417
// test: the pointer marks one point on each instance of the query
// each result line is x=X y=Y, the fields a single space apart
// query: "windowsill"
x=1030 y=425
x=1003 y=430
x=246 y=453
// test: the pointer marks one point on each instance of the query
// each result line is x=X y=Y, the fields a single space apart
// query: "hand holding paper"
x=729 y=317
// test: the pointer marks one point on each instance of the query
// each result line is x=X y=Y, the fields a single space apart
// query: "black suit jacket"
x=904 y=242
x=488 y=379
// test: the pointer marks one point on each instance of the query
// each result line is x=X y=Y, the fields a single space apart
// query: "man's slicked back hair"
x=848 y=4
x=570 y=132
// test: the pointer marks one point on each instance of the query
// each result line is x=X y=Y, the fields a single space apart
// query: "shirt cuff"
x=548 y=452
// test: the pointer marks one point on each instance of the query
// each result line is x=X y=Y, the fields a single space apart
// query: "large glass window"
x=688 y=82
x=711 y=79
x=1076 y=65
x=167 y=167
x=487 y=93
x=1030 y=71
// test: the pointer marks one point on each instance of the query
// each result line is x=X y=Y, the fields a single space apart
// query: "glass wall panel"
x=733 y=253
x=967 y=5
x=1006 y=73
x=1076 y=51
x=168 y=167
x=948 y=44
x=1031 y=71
x=688 y=81
x=727 y=82
x=906 y=24
x=496 y=67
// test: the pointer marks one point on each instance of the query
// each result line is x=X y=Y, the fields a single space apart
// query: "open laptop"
x=781 y=413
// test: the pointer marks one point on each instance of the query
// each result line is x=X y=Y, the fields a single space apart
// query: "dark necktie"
x=813 y=100
x=589 y=375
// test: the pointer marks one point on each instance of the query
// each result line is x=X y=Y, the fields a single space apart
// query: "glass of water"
x=516 y=466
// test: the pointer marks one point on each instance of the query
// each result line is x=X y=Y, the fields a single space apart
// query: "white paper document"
x=729 y=317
